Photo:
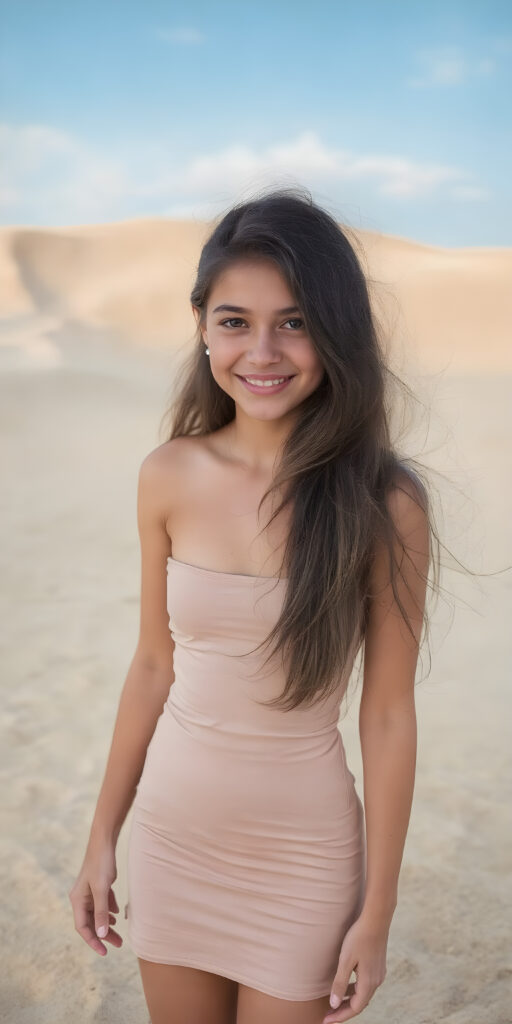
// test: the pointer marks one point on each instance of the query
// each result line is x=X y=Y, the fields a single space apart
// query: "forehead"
x=258 y=280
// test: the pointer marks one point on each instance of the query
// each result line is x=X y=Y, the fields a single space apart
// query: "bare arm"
x=145 y=690
x=151 y=673
x=140 y=705
x=387 y=727
x=387 y=717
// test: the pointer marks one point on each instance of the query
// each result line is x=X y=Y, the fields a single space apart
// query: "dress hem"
x=202 y=965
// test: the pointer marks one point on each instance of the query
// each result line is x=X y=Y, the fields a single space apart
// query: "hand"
x=363 y=950
x=93 y=900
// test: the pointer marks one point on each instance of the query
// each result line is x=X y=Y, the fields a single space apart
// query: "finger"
x=357 y=1002
x=348 y=992
x=333 y=1016
x=340 y=985
x=84 y=925
x=363 y=993
x=114 y=938
x=89 y=936
x=91 y=939
x=101 y=923
x=112 y=902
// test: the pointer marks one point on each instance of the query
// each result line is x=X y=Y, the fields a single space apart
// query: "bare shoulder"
x=407 y=503
x=164 y=463
x=169 y=454
x=165 y=471
x=408 y=507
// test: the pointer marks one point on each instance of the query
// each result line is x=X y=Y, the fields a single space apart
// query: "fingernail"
x=102 y=931
x=334 y=1001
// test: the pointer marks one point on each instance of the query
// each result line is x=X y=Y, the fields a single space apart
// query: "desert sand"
x=91 y=321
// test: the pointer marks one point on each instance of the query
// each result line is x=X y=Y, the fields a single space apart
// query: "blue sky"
x=395 y=115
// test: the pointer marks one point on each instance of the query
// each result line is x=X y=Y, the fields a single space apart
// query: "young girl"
x=280 y=534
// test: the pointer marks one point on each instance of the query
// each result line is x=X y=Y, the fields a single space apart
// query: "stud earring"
x=207 y=350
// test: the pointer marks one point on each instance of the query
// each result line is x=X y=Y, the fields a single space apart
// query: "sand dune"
x=88 y=316
x=446 y=307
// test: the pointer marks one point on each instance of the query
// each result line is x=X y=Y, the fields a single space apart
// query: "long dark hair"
x=338 y=465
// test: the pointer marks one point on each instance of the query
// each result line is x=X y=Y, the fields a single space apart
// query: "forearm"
x=389 y=762
x=140 y=705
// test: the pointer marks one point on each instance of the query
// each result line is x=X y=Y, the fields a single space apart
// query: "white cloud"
x=400 y=177
x=44 y=169
x=449 y=66
x=52 y=177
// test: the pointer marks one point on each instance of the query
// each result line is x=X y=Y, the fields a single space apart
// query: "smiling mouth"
x=265 y=379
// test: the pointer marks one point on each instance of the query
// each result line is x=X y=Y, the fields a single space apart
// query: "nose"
x=264 y=350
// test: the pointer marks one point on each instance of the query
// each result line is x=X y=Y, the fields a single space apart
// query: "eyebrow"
x=240 y=309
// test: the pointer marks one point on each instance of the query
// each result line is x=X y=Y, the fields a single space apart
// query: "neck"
x=258 y=443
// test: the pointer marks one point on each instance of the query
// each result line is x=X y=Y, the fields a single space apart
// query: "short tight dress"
x=246 y=850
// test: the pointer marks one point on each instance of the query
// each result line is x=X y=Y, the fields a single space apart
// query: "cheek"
x=308 y=360
x=227 y=352
x=312 y=365
x=315 y=373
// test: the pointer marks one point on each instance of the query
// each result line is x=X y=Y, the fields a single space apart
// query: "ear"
x=197 y=316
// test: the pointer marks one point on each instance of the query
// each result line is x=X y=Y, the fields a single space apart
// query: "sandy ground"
x=78 y=412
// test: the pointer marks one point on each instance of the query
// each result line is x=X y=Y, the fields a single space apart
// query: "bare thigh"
x=175 y=994
x=255 y=1007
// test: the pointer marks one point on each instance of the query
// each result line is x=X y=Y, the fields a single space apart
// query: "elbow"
x=398 y=715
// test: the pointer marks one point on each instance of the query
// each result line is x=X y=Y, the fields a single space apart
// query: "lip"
x=264 y=376
x=257 y=390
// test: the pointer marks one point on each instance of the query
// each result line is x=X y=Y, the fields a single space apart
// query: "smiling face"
x=259 y=333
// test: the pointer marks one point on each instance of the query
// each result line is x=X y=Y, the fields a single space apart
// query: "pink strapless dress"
x=246 y=851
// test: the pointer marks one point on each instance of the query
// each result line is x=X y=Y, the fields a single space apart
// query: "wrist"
x=378 y=912
x=102 y=834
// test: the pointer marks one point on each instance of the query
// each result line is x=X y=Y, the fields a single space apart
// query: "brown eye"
x=238 y=320
x=230 y=320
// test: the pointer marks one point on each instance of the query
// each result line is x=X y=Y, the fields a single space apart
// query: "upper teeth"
x=265 y=383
